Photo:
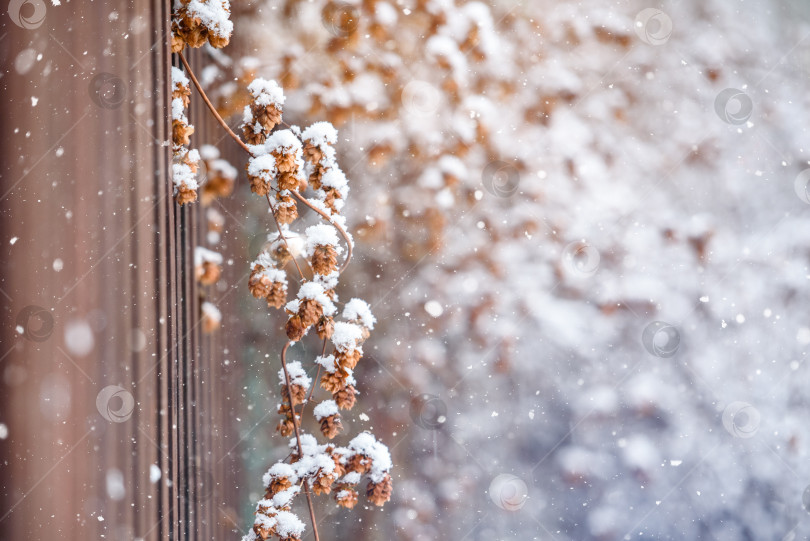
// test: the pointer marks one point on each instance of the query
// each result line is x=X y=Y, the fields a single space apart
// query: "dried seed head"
x=379 y=493
x=315 y=176
x=259 y=284
x=221 y=180
x=331 y=426
x=181 y=133
x=211 y=317
x=277 y=295
x=325 y=327
x=180 y=86
x=178 y=43
x=185 y=195
x=358 y=464
x=285 y=428
x=194 y=23
x=322 y=483
x=299 y=394
x=295 y=329
x=286 y=210
x=348 y=359
x=312 y=153
x=208 y=273
x=277 y=484
x=345 y=397
x=332 y=382
x=324 y=260
x=346 y=496
x=288 y=181
x=310 y=312
x=327 y=413
x=264 y=112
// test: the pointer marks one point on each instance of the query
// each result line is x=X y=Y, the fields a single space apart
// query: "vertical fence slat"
x=127 y=252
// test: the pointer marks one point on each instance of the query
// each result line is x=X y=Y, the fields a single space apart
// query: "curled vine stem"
x=211 y=105
x=298 y=437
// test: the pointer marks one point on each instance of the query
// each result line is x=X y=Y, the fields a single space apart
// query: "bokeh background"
x=580 y=225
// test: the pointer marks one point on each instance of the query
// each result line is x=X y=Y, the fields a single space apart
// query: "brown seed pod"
x=346 y=496
x=331 y=426
x=286 y=210
x=332 y=382
x=294 y=328
x=345 y=397
x=324 y=260
x=185 y=195
x=322 y=483
x=277 y=296
x=379 y=493
x=310 y=312
x=325 y=327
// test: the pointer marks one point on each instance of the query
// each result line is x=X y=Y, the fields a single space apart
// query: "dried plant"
x=285 y=165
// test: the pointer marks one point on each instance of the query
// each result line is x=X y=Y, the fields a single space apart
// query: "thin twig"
x=287 y=244
x=298 y=437
x=335 y=224
x=312 y=388
x=211 y=105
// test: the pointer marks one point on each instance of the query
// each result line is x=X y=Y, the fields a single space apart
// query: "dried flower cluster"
x=220 y=175
x=283 y=165
x=325 y=469
x=207 y=265
x=186 y=162
x=264 y=112
x=195 y=22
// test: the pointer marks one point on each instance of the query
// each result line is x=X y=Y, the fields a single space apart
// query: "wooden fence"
x=105 y=431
